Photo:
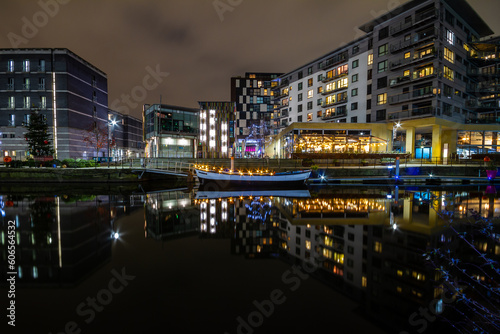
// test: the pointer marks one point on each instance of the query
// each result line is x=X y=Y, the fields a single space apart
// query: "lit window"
x=26 y=65
x=377 y=247
x=342 y=83
x=370 y=59
x=309 y=119
x=450 y=37
x=27 y=102
x=11 y=102
x=400 y=273
x=309 y=82
x=363 y=281
x=310 y=93
x=399 y=289
x=449 y=55
x=10 y=66
x=407 y=55
x=448 y=73
x=381 y=99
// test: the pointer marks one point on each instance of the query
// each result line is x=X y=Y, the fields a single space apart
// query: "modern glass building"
x=170 y=131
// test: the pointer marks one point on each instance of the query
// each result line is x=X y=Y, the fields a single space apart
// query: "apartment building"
x=254 y=108
x=69 y=91
x=216 y=134
x=417 y=71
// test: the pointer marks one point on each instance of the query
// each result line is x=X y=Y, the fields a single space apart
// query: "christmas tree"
x=37 y=135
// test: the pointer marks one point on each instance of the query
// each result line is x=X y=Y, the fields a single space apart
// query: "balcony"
x=472 y=71
x=419 y=19
x=415 y=39
x=326 y=105
x=328 y=79
x=41 y=86
x=410 y=61
x=333 y=90
x=10 y=86
x=483 y=120
x=414 y=113
x=26 y=86
x=401 y=80
x=341 y=113
x=417 y=94
x=477 y=104
x=331 y=62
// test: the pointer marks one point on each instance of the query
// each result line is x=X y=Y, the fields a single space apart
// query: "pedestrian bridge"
x=174 y=168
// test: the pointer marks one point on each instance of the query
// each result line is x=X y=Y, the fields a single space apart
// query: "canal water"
x=358 y=259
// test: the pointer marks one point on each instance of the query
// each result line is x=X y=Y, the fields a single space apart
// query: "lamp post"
x=110 y=124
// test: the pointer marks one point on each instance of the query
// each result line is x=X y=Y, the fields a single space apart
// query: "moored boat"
x=226 y=177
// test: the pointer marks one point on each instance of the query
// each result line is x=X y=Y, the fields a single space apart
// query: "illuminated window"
x=331 y=99
x=406 y=73
x=400 y=273
x=320 y=89
x=310 y=93
x=309 y=82
x=331 y=86
x=11 y=102
x=449 y=55
x=342 y=83
x=450 y=37
x=370 y=59
x=26 y=65
x=399 y=289
x=377 y=247
x=407 y=55
x=363 y=281
x=309 y=119
x=448 y=73
x=381 y=99
x=423 y=72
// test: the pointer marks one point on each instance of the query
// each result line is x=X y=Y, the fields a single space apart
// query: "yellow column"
x=408 y=210
x=410 y=140
x=450 y=137
x=437 y=147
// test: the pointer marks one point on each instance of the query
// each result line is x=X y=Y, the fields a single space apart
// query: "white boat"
x=227 y=177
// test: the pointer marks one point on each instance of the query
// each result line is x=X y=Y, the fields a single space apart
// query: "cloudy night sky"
x=198 y=46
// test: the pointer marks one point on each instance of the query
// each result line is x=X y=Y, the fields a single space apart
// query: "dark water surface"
x=337 y=259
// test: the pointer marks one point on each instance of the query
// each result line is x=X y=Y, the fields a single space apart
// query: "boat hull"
x=278 y=180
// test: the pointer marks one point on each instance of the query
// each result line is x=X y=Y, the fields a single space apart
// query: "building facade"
x=126 y=133
x=254 y=110
x=170 y=131
x=70 y=92
x=418 y=69
x=216 y=129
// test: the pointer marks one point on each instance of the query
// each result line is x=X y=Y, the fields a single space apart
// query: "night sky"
x=199 y=47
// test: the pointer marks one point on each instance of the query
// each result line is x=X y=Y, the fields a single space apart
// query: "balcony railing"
x=414 y=39
x=334 y=115
x=483 y=120
x=325 y=104
x=414 y=113
x=10 y=86
x=41 y=69
x=340 y=58
x=421 y=93
x=328 y=79
x=408 y=61
x=41 y=86
x=26 y=86
x=401 y=80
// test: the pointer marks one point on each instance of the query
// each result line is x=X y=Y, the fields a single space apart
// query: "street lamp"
x=110 y=124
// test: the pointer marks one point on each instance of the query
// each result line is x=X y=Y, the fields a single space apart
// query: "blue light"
x=116 y=235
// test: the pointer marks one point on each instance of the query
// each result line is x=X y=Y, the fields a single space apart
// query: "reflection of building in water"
x=58 y=239
x=170 y=214
x=248 y=221
x=372 y=244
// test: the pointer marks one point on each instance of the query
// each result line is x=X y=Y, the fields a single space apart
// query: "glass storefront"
x=477 y=142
